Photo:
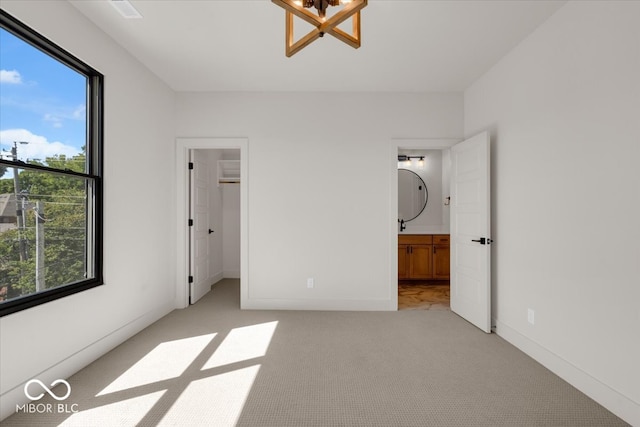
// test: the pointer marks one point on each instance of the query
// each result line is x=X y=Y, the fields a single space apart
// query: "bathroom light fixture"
x=407 y=159
x=323 y=24
x=126 y=9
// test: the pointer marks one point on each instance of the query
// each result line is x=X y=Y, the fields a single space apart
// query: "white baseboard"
x=318 y=304
x=216 y=278
x=614 y=401
x=75 y=362
x=231 y=274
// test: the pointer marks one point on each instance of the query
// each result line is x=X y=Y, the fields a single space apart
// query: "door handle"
x=482 y=241
x=210 y=231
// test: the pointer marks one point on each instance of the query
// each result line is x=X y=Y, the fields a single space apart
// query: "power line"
x=57 y=195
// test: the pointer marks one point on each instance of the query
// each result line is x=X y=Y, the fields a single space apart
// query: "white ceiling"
x=238 y=45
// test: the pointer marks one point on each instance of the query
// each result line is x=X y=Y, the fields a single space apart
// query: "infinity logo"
x=47 y=389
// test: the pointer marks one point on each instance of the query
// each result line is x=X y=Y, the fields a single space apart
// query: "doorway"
x=470 y=224
x=423 y=229
x=214 y=148
x=395 y=148
x=214 y=219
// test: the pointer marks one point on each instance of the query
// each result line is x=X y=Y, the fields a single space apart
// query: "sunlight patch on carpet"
x=213 y=401
x=128 y=412
x=167 y=360
x=243 y=343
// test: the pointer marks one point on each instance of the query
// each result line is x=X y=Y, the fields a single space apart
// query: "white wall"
x=318 y=184
x=563 y=109
x=231 y=223
x=231 y=230
x=56 y=339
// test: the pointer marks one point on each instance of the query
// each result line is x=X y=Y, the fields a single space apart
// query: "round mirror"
x=412 y=195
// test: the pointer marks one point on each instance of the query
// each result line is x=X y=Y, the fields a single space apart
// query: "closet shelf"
x=228 y=172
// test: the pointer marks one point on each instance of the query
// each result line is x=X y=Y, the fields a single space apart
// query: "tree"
x=6 y=186
x=65 y=223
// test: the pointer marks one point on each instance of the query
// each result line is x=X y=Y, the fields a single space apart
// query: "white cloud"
x=10 y=77
x=38 y=146
x=55 y=121
x=80 y=113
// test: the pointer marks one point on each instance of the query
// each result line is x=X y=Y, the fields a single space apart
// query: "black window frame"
x=93 y=171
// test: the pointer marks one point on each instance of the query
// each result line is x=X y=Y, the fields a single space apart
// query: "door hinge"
x=190 y=223
x=190 y=165
x=190 y=279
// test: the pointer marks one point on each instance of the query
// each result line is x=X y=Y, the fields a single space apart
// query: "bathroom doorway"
x=423 y=226
x=469 y=235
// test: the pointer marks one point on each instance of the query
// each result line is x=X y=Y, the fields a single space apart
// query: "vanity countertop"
x=405 y=233
x=425 y=230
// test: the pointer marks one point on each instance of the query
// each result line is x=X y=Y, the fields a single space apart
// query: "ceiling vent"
x=126 y=9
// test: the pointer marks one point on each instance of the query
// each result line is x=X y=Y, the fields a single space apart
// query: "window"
x=50 y=170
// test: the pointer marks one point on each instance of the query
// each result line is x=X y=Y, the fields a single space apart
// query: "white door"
x=199 y=181
x=471 y=231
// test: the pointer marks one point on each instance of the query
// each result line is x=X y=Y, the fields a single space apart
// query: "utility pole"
x=40 y=269
x=19 y=212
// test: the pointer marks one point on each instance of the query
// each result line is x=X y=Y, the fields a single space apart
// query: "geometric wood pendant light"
x=323 y=25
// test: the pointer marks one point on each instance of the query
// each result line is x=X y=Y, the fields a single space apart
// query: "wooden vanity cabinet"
x=403 y=261
x=415 y=256
x=423 y=256
x=441 y=256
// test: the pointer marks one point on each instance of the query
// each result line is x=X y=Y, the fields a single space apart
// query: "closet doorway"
x=225 y=163
x=214 y=219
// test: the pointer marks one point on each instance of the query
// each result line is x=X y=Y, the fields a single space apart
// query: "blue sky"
x=41 y=102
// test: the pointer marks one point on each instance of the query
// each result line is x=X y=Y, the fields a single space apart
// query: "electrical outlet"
x=531 y=316
x=310 y=283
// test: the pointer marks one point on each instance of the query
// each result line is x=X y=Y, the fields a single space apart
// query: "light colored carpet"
x=214 y=365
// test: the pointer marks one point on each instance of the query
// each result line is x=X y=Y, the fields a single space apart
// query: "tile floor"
x=423 y=295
